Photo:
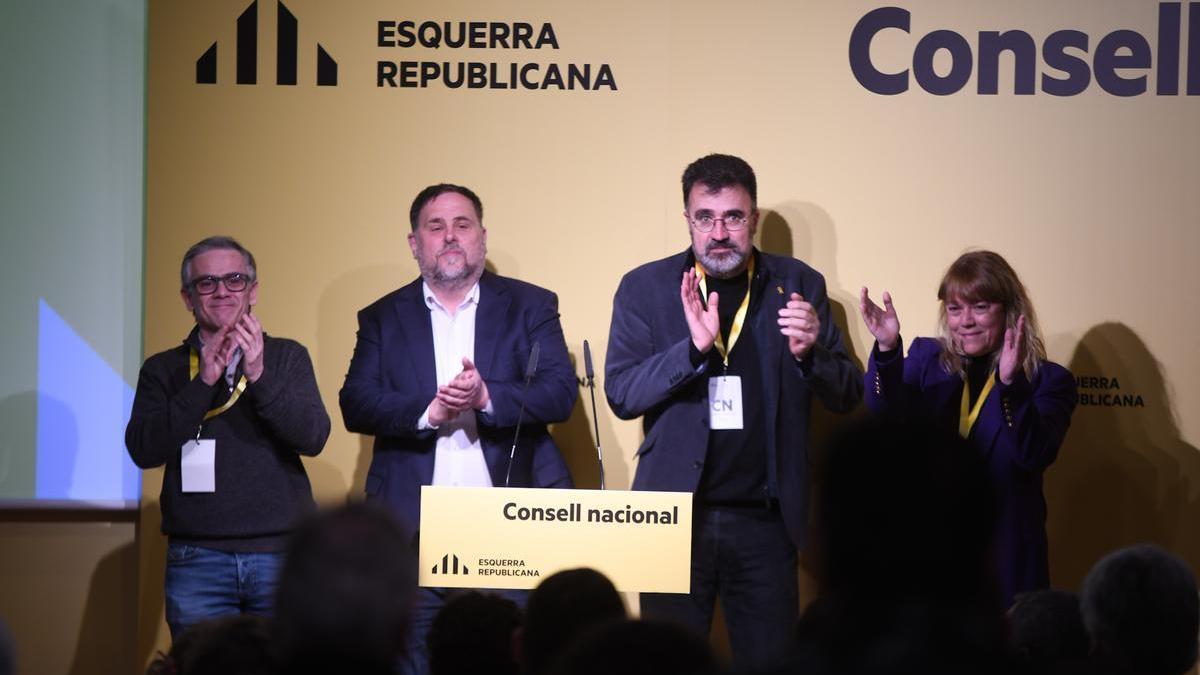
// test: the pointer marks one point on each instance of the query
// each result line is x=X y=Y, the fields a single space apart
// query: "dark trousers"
x=745 y=557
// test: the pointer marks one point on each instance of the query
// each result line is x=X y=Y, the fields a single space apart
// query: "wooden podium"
x=515 y=537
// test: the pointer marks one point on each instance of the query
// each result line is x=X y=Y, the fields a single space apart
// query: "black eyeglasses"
x=234 y=283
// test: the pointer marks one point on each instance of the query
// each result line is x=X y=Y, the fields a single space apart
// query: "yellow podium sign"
x=515 y=537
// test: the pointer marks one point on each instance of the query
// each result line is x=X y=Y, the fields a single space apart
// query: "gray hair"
x=218 y=243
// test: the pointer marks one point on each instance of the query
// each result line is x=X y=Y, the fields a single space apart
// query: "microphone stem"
x=596 y=427
x=520 y=418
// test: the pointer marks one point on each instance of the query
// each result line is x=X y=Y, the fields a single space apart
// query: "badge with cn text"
x=725 y=402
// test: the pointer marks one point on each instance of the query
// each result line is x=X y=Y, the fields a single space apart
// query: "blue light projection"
x=82 y=409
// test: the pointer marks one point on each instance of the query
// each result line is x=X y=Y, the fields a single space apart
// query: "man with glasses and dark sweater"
x=228 y=413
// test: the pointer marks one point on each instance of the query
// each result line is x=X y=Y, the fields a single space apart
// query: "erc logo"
x=450 y=565
x=286 y=52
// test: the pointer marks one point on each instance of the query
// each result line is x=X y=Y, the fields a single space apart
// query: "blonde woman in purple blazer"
x=987 y=375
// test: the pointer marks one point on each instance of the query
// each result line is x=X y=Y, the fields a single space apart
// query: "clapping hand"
x=215 y=355
x=466 y=391
x=1012 y=354
x=703 y=323
x=881 y=322
x=800 y=323
x=247 y=333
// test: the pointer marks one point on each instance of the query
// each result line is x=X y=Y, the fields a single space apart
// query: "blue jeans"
x=745 y=557
x=427 y=603
x=204 y=584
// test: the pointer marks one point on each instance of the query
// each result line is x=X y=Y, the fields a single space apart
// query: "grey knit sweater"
x=261 y=485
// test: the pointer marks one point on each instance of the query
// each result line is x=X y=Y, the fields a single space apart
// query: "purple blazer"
x=1018 y=432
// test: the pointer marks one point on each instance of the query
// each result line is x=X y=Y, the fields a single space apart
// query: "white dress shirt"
x=458 y=456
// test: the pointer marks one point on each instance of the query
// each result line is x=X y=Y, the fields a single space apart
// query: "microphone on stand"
x=530 y=369
x=591 y=385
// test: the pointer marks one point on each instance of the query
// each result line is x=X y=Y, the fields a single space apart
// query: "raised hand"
x=703 y=323
x=247 y=332
x=1012 y=354
x=215 y=355
x=800 y=323
x=882 y=323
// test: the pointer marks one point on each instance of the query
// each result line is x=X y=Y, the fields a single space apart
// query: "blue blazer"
x=1018 y=433
x=649 y=373
x=393 y=377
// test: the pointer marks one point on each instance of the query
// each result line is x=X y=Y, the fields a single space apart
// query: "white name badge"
x=197 y=465
x=725 y=402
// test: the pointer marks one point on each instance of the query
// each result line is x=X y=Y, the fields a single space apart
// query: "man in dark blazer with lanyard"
x=438 y=373
x=720 y=350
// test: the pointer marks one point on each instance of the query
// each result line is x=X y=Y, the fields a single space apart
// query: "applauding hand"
x=465 y=392
x=800 y=323
x=1012 y=354
x=882 y=322
x=703 y=323
x=247 y=333
x=215 y=355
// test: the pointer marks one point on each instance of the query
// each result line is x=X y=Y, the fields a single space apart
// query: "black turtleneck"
x=979 y=369
x=735 y=469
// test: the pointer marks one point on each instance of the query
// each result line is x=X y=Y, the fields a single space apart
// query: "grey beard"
x=464 y=277
x=723 y=267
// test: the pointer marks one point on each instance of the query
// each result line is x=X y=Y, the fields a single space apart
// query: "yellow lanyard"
x=194 y=369
x=967 y=416
x=739 y=319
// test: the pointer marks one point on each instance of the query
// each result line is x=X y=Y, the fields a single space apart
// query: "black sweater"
x=261 y=485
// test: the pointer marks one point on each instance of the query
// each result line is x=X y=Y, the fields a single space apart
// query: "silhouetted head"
x=1142 y=612
x=564 y=605
x=1046 y=632
x=636 y=647
x=473 y=633
x=234 y=645
x=344 y=593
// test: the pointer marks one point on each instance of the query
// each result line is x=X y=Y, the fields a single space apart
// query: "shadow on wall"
x=337 y=325
x=1124 y=474
x=819 y=250
x=577 y=441
x=103 y=644
x=57 y=448
x=778 y=233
